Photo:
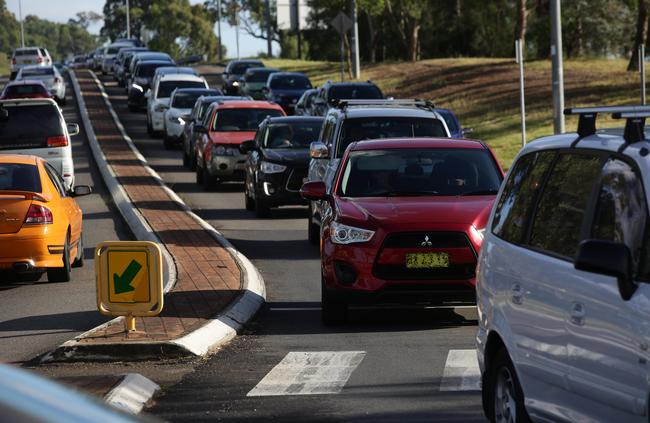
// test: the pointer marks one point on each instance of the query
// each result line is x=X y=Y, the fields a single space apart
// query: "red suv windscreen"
x=420 y=171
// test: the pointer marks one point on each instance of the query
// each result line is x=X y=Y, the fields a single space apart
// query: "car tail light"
x=58 y=141
x=38 y=215
x=57 y=80
x=39 y=60
x=13 y=60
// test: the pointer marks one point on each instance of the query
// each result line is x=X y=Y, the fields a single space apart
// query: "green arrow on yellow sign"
x=123 y=282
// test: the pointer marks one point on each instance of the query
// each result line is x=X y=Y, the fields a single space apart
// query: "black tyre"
x=199 y=175
x=168 y=142
x=248 y=201
x=150 y=129
x=209 y=182
x=262 y=209
x=502 y=394
x=313 y=230
x=61 y=274
x=192 y=160
x=79 y=260
x=186 y=158
x=334 y=309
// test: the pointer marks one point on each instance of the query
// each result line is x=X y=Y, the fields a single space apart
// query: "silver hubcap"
x=505 y=399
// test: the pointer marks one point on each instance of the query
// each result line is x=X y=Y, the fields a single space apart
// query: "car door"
x=607 y=336
x=71 y=209
x=254 y=158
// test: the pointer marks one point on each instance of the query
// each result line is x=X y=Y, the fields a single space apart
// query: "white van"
x=37 y=126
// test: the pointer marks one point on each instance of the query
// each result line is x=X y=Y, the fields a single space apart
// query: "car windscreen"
x=240 y=68
x=291 y=135
x=146 y=70
x=186 y=100
x=420 y=171
x=29 y=126
x=258 y=76
x=19 y=177
x=293 y=82
x=357 y=92
x=37 y=72
x=26 y=53
x=113 y=50
x=247 y=119
x=24 y=89
x=165 y=88
x=359 y=129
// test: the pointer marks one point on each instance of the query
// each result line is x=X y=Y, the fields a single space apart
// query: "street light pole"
x=128 y=20
x=558 y=71
x=22 y=27
x=355 y=44
x=269 y=39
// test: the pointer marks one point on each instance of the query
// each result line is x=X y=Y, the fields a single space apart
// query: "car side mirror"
x=318 y=150
x=73 y=128
x=608 y=258
x=314 y=190
x=247 y=146
x=81 y=190
x=265 y=89
x=467 y=131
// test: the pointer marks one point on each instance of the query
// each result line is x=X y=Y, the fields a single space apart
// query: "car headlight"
x=235 y=83
x=221 y=150
x=137 y=87
x=267 y=167
x=180 y=120
x=344 y=234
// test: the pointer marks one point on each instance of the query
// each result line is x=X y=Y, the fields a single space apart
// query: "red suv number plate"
x=426 y=260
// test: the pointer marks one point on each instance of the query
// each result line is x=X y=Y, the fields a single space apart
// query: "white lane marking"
x=309 y=373
x=461 y=372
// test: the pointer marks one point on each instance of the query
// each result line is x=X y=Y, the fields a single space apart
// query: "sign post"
x=129 y=280
x=342 y=24
x=642 y=72
x=519 y=58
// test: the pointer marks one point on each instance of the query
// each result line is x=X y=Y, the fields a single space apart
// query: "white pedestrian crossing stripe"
x=309 y=373
x=461 y=372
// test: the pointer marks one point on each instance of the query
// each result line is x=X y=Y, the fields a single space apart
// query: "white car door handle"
x=577 y=314
x=517 y=294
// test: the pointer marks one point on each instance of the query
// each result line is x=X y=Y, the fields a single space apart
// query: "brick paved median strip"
x=209 y=276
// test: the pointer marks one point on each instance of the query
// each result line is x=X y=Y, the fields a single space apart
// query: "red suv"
x=405 y=222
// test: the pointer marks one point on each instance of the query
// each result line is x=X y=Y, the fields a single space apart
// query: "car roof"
x=215 y=98
x=151 y=53
x=429 y=142
x=25 y=82
x=277 y=74
x=154 y=62
x=296 y=119
x=176 y=70
x=386 y=111
x=249 y=104
x=194 y=90
x=353 y=84
x=28 y=67
x=28 y=48
x=28 y=102
x=254 y=70
x=19 y=159
x=181 y=77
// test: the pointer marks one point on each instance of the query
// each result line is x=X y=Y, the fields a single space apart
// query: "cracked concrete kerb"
x=218 y=330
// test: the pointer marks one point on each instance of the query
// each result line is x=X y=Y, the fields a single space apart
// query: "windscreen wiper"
x=483 y=192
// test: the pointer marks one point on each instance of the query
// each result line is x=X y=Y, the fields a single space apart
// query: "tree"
x=115 y=18
x=641 y=36
x=520 y=27
x=405 y=16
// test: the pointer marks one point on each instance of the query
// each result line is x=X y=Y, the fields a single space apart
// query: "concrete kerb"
x=217 y=331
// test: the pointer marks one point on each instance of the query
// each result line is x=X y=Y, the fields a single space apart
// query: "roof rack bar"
x=630 y=115
x=606 y=109
x=343 y=103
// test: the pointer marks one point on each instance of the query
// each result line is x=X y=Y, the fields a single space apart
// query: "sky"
x=62 y=10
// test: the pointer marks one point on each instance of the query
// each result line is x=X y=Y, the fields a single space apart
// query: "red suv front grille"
x=391 y=260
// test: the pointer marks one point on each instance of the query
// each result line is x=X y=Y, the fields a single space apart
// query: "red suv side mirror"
x=314 y=190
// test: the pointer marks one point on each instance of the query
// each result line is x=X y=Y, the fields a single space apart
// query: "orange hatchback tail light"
x=58 y=141
x=38 y=215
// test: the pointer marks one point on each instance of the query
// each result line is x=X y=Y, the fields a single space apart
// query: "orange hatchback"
x=40 y=222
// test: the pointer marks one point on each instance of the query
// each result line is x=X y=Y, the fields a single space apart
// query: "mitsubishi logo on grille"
x=426 y=242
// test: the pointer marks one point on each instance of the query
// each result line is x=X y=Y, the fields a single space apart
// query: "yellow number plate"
x=426 y=260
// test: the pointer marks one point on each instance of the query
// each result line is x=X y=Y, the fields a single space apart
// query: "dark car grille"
x=415 y=240
x=294 y=183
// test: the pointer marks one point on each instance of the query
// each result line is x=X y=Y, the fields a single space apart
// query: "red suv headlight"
x=344 y=234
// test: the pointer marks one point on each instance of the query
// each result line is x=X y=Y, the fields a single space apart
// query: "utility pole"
x=269 y=34
x=22 y=27
x=356 y=66
x=642 y=72
x=219 y=28
x=558 y=70
x=128 y=20
x=237 y=28
x=297 y=2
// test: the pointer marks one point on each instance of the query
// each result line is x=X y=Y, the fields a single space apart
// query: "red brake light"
x=39 y=59
x=13 y=60
x=38 y=215
x=58 y=141
x=57 y=80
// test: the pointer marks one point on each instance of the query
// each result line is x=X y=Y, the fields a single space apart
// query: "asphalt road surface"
x=36 y=316
x=384 y=365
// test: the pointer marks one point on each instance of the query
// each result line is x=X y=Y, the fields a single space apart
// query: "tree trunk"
x=543 y=13
x=520 y=27
x=372 y=38
x=641 y=34
x=348 y=52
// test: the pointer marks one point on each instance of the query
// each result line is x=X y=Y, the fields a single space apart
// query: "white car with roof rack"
x=563 y=279
x=27 y=56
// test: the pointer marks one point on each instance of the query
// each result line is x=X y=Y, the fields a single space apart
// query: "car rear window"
x=26 y=53
x=19 y=177
x=113 y=50
x=292 y=134
x=166 y=87
x=23 y=89
x=360 y=129
x=146 y=70
x=240 y=68
x=40 y=71
x=186 y=100
x=29 y=126
x=358 y=92
x=234 y=120
x=258 y=76
x=293 y=82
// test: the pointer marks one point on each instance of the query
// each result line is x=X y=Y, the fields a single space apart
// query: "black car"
x=234 y=72
x=285 y=88
x=142 y=77
x=278 y=162
x=196 y=117
x=305 y=103
x=333 y=91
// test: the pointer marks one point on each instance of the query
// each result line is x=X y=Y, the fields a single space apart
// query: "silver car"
x=49 y=75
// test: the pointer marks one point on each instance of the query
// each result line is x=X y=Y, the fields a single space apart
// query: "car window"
x=30 y=126
x=40 y=71
x=56 y=180
x=42 y=52
x=25 y=89
x=359 y=129
x=146 y=70
x=291 y=135
x=240 y=67
x=165 y=88
x=19 y=177
x=359 y=92
x=247 y=119
x=515 y=204
x=560 y=213
x=258 y=76
x=290 y=82
x=327 y=129
x=621 y=213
